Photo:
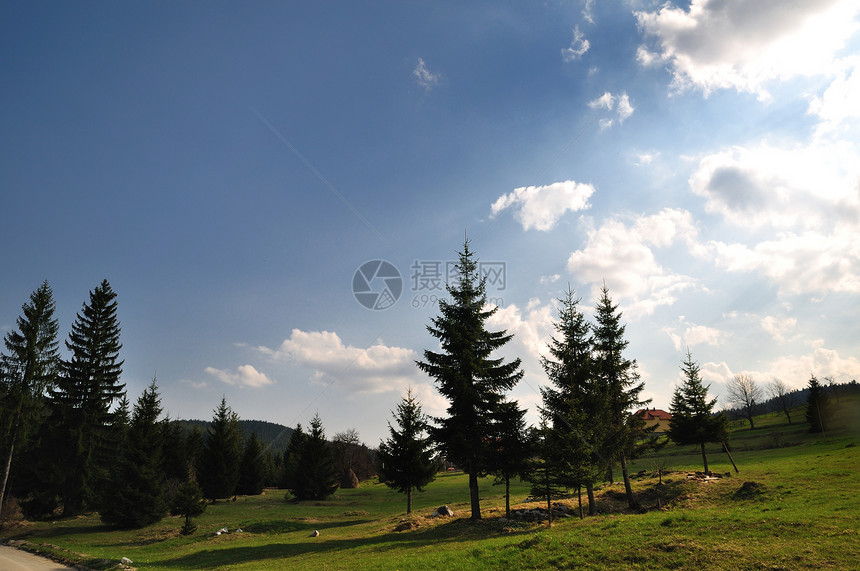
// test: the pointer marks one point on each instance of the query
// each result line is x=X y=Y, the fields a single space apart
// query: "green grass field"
x=801 y=512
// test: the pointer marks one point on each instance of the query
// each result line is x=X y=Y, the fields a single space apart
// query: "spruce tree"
x=188 y=503
x=467 y=375
x=136 y=491
x=316 y=474
x=87 y=387
x=619 y=382
x=817 y=406
x=405 y=459
x=575 y=403
x=292 y=459
x=511 y=447
x=219 y=462
x=252 y=468
x=546 y=468
x=177 y=458
x=28 y=367
x=693 y=419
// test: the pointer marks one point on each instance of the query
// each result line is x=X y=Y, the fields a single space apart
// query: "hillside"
x=272 y=435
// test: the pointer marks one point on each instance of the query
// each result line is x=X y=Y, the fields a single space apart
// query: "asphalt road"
x=12 y=559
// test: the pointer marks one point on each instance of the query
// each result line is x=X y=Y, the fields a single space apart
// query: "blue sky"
x=228 y=167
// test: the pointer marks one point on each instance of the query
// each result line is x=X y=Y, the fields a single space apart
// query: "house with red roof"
x=655 y=417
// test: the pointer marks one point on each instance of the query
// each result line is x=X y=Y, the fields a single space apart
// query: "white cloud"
x=531 y=328
x=619 y=103
x=625 y=110
x=809 y=262
x=796 y=370
x=243 y=376
x=432 y=403
x=540 y=207
x=622 y=255
x=812 y=186
x=809 y=194
x=578 y=46
x=424 y=76
x=544 y=280
x=195 y=384
x=644 y=159
x=840 y=102
x=714 y=373
x=695 y=335
x=743 y=44
x=376 y=369
x=778 y=327
x=605 y=101
x=587 y=13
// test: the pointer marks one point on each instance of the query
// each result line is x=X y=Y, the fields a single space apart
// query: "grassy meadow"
x=793 y=505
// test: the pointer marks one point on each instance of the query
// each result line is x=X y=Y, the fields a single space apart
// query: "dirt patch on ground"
x=408 y=524
x=750 y=491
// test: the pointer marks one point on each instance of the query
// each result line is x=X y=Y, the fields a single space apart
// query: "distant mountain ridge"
x=275 y=437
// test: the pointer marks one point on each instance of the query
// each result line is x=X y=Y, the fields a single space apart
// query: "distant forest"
x=798 y=398
x=274 y=437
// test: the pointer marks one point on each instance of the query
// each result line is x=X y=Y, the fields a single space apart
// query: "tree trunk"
x=750 y=418
x=548 y=502
x=592 y=506
x=579 y=496
x=705 y=460
x=6 y=476
x=12 y=437
x=409 y=500
x=473 y=495
x=628 y=489
x=787 y=414
x=507 y=496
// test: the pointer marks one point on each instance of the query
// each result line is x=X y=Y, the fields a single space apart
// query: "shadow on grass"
x=289 y=526
x=454 y=531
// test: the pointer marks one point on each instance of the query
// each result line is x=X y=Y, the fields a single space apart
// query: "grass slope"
x=792 y=506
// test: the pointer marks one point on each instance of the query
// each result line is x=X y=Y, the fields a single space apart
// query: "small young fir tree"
x=405 y=458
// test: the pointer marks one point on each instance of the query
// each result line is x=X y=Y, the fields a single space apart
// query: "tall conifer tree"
x=219 y=463
x=620 y=383
x=252 y=468
x=28 y=367
x=817 y=405
x=575 y=404
x=318 y=477
x=136 y=490
x=467 y=375
x=87 y=388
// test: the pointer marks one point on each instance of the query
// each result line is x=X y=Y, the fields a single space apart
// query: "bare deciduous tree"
x=783 y=395
x=345 y=447
x=744 y=393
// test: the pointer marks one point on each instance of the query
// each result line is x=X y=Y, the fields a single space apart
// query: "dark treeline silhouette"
x=72 y=441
